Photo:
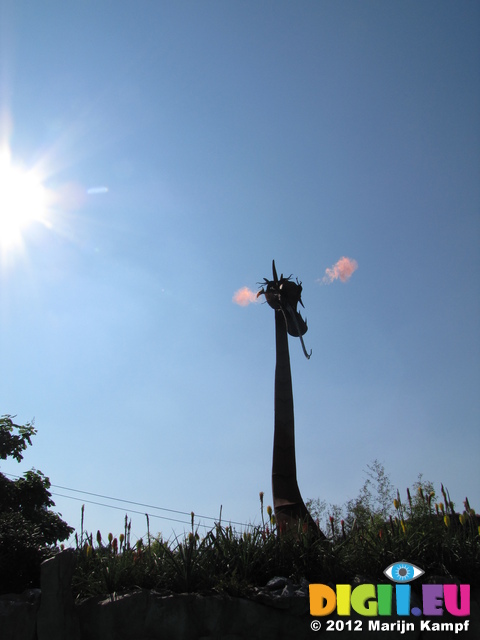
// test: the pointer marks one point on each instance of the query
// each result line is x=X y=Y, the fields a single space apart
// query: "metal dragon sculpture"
x=283 y=295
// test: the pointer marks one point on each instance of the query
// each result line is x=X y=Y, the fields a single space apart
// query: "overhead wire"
x=132 y=502
x=111 y=506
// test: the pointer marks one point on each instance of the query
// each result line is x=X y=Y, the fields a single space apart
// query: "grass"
x=431 y=535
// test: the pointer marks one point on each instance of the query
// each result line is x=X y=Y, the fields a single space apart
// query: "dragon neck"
x=284 y=472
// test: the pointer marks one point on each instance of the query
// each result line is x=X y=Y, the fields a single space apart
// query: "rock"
x=304 y=587
x=56 y=616
x=145 y=616
x=18 y=615
x=281 y=593
x=278 y=611
x=288 y=590
x=276 y=583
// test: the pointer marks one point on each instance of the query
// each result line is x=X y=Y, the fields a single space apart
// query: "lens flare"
x=23 y=200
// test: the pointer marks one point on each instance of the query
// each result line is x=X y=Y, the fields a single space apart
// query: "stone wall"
x=279 y=611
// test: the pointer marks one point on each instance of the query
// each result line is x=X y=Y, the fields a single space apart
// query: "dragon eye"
x=403 y=572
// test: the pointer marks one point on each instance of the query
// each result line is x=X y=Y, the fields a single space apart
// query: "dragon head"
x=283 y=294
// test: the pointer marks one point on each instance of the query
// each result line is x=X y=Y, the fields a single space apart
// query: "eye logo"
x=403 y=572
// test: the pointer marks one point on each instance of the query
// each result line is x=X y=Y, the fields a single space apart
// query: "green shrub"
x=365 y=537
x=29 y=531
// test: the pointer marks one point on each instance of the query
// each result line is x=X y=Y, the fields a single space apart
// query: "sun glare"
x=22 y=201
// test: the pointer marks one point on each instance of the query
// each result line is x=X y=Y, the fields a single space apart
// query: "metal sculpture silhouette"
x=283 y=295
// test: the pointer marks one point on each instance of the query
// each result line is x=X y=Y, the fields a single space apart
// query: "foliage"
x=374 y=499
x=421 y=531
x=224 y=561
x=29 y=531
x=12 y=444
x=365 y=535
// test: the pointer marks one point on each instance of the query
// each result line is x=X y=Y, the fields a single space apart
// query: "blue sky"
x=184 y=145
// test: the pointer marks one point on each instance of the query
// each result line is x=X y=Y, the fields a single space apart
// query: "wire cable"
x=111 y=506
x=137 y=504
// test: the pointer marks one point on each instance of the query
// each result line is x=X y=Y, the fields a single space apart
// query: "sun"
x=23 y=201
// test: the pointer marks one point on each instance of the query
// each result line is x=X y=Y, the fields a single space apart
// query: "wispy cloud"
x=244 y=297
x=341 y=270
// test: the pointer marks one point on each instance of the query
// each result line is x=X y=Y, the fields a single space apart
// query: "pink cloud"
x=244 y=297
x=342 y=270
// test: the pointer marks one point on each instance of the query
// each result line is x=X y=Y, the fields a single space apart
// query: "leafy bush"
x=370 y=536
x=29 y=531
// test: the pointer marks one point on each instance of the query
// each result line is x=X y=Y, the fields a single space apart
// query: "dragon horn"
x=275 y=276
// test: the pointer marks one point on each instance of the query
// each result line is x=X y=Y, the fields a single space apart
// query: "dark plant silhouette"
x=29 y=530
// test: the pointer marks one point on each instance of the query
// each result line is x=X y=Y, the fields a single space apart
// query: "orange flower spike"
x=409 y=497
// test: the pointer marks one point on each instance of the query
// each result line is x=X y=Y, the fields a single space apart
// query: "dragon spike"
x=275 y=276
